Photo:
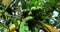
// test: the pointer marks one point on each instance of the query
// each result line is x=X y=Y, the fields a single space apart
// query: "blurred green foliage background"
x=29 y=15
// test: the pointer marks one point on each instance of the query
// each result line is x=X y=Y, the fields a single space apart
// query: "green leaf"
x=34 y=29
x=27 y=18
x=14 y=20
x=1 y=11
x=2 y=26
x=26 y=28
x=52 y=2
x=23 y=27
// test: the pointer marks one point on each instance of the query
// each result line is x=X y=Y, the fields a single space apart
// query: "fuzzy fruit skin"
x=18 y=22
x=12 y=28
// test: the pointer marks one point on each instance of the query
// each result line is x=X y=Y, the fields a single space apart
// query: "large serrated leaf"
x=23 y=27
